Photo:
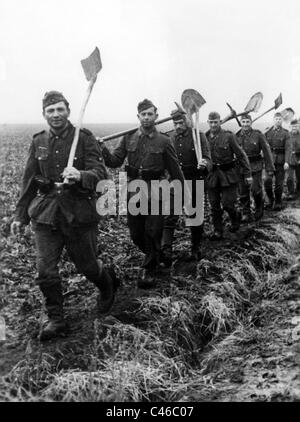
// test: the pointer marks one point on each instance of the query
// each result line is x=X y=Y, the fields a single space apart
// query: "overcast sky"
x=225 y=49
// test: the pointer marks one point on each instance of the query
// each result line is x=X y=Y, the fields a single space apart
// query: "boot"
x=107 y=284
x=148 y=280
x=259 y=207
x=56 y=324
x=166 y=255
x=196 y=233
x=291 y=189
x=270 y=204
x=235 y=217
x=246 y=210
x=278 y=206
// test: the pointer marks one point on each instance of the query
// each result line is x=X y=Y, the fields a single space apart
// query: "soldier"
x=279 y=141
x=294 y=163
x=223 y=180
x=184 y=146
x=149 y=154
x=254 y=143
x=63 y=215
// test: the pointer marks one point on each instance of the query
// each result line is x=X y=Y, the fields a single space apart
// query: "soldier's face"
x=147 y=117
x=278 y=121
x=294 y=129
x=214 y=125
x=246 y=124
x=180 y=126
x=57 y=115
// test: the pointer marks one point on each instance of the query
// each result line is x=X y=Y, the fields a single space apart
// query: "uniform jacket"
x=48 y=156
x=184 y=146
x=153 y=151
x=295 y=149
x=279 y=141
x=254 y=143
x=225 y=149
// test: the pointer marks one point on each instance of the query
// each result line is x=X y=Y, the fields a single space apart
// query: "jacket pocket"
x=42 y=153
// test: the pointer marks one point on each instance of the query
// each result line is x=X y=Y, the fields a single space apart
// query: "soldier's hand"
x=72 y=174
x=248 y=181
x=286 y=166
x=16 y=227
x=100 y=140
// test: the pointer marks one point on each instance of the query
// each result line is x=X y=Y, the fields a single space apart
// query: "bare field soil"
x=226 y=329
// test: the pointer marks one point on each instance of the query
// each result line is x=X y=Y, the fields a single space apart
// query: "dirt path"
x=257 y=361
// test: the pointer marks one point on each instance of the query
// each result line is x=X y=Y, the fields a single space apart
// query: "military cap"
x=294 y=122
x=246 y=117
x=277 y=114
x=53 y=97
x=213 y=115
x=145 y=104
x=178 y=115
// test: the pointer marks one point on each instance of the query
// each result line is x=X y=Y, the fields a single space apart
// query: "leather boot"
x=235 y=217
x=107 y=284
x=291 y=189
x=196 y=233
x=259 y=207
x=56 y=324
x=148 y=279
x=166 y=255
x=246 y=210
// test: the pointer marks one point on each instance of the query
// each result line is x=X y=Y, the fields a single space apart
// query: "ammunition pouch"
x=147 y=175
x=225 y=166
x=44 y=184
x=191 y=171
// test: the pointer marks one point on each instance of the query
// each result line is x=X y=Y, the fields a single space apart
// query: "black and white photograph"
x=149 y=203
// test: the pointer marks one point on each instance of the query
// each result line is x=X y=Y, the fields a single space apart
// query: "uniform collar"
x=214 y=135
x=149 y=135
x=63 y=134
x=247 y=132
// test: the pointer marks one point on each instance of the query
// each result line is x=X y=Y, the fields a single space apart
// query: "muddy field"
x=226 y=329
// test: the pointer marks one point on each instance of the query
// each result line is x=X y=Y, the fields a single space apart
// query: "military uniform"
x=149 y=155
x=62 y=216
x=223 y=180
x=254 y=144
x=279 y=141
x=294 y=163
x=184 y=146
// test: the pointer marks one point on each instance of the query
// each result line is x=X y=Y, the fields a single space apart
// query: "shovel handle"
x=79 y=123
x=268 y=111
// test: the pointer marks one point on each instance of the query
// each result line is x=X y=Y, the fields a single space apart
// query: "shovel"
x=192 y=101
x=277 y=103
x=253 y=105
x=91 y=67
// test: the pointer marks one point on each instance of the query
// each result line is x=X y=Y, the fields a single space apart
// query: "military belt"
x=225 y=166
x=253 y=158
x=145 y=174
x=278 y=150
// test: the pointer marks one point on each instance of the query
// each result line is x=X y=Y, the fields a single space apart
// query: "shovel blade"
x=191 y=101
x=288 y=115
x=278 y=101
x=92 y=65
x=254 y=103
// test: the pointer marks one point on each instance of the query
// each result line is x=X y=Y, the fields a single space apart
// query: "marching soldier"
x=63 y=215
x=184 y=146
x=293 y=178
x=149 y=154
x=254 y=143
x=223 y=180
x=279 y=141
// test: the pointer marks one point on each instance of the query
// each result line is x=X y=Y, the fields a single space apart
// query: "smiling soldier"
x=149 y=154
x=63 y=215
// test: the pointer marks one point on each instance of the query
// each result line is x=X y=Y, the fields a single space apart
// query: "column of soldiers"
x=65 y=216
